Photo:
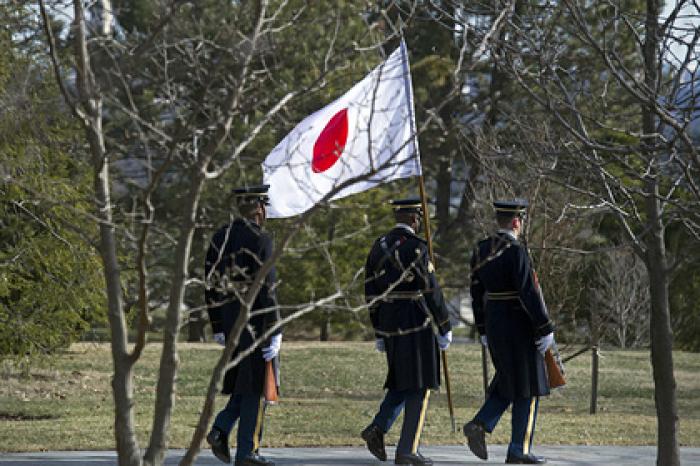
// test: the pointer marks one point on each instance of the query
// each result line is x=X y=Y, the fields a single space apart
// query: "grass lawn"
x=330 y=391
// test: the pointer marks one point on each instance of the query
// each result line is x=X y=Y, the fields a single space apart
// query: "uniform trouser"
x=522 y=422
x=248 y=410
x=415 y=404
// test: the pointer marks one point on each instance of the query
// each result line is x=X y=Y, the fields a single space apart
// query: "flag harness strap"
x=389 y=254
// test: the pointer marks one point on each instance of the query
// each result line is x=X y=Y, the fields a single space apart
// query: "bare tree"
x=620 y=299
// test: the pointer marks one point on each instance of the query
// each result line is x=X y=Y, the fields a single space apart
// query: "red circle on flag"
x=330 y=143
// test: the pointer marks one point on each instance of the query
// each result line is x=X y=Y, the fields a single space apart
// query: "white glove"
x=273 y=350
x=484 y=340
x=220 y=338
x=379 y=345
x=544 y=342
x=445 y=340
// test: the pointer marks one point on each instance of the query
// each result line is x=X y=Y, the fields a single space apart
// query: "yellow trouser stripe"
x=530 y=422
x=258 y=425
x=421 y=420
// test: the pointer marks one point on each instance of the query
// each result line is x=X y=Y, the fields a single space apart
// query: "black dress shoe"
x=411 y=458
x=514 y=458
x=255 y=459
x=374 y=437
x=476 y=439
x=219 y=445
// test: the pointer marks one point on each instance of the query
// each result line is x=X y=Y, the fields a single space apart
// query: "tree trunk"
x=594 y=325
x=594 y=379
x=325 y=327
x=169 y=361
x=464 y=220
x=128 y=450
x=668 y=452
x=89 y=106
x=195 y=327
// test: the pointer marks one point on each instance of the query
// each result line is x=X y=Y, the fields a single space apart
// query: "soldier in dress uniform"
x=406 y=308
x=513 y=322
x=235 y=254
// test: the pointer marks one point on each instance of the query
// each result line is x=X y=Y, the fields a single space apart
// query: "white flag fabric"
x=364 y=138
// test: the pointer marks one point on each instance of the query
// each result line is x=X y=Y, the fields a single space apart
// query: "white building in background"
x=460 y=307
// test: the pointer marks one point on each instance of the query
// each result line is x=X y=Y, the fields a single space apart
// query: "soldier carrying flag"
x=406 y=304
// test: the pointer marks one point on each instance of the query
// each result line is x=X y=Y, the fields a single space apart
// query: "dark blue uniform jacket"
x=235 y=254
x=406 y=315
x=509 y=309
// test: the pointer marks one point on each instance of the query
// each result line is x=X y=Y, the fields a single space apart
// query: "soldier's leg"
x=416 y=405
x=484 y=421
x=219 y=433
x=389 y=409
x=228 y=416
x=523 y=425
x=491 y=411
x=249 y=426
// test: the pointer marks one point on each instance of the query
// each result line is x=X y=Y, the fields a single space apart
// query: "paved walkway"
x=444 y=455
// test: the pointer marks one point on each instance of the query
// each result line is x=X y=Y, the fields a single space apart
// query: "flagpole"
x=429 y=239
x=426 y=220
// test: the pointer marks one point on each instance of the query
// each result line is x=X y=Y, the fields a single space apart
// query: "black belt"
x=502 y=295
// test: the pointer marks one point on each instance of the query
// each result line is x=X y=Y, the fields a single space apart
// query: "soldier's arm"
x=268 y=295
x=530 y=294
x=433 y=294
x=371 y=288
x=477 y=291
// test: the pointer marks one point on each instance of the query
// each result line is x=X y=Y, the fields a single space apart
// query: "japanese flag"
x=365 y=138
